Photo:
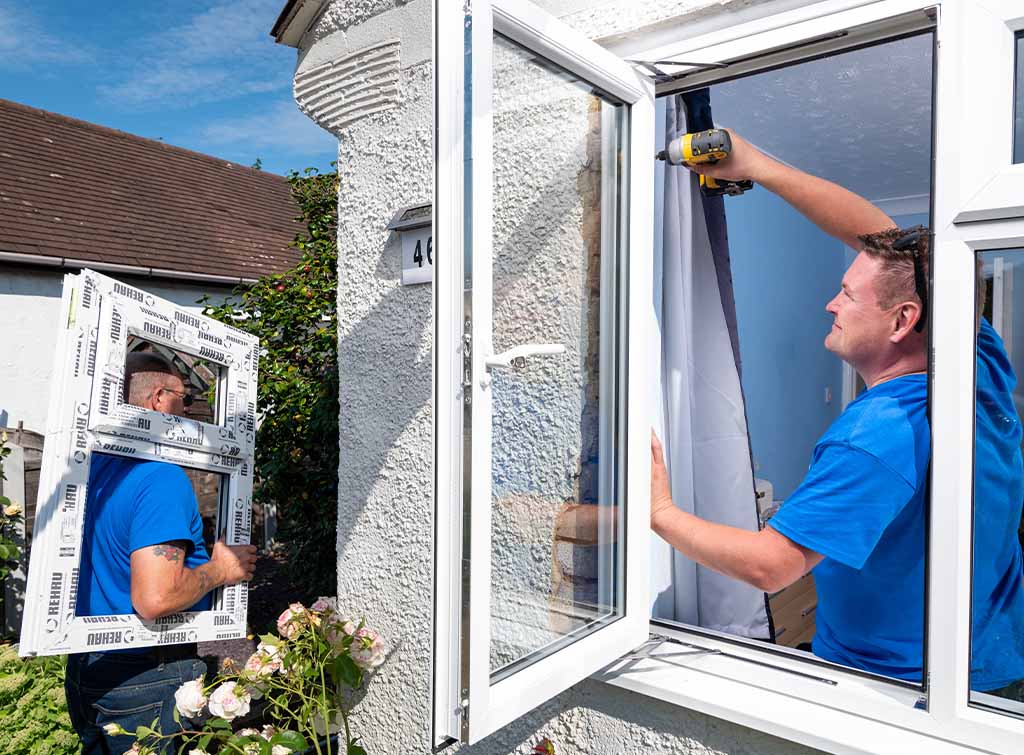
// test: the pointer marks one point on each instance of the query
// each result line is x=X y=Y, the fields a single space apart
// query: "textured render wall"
x=30 y=302
x=385 y=526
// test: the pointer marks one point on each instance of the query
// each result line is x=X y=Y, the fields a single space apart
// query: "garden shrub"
x=294 y=314
x=33 y=714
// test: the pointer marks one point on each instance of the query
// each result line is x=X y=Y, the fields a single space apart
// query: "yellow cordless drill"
x=705 y=147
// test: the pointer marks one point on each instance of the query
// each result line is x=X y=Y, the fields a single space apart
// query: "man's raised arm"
x=835 y=210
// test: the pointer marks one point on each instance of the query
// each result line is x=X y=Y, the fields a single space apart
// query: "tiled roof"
x=72 y=190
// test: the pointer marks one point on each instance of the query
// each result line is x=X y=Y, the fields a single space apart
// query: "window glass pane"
x=836 y=418
x=195 y=382
x=997 y=619
x=555 y=561
x=1018 y=106
x=165 y=503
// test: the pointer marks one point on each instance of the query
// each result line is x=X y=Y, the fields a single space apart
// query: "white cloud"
x=221 y=53
x=280 y=128
x=24 y=41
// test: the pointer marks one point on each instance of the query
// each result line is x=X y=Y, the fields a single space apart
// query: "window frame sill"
x=777 y=695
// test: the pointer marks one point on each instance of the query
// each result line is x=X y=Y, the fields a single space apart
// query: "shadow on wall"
x=587 y=719
x=373 y=420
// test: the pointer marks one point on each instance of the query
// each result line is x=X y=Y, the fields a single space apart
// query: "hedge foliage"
x=294 y=315
x=33 y=715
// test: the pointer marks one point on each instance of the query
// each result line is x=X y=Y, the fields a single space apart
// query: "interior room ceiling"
x=860 y=118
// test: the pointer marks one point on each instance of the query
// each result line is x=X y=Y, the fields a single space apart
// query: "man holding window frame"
x=858 y=518
x=143 y=552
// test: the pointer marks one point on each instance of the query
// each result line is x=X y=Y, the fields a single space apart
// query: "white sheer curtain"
x=703 y=425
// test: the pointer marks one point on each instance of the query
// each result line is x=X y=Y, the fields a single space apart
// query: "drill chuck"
x=707 y=147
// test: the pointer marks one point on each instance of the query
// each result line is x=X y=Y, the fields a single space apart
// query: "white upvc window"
x=101 y=321
x=544 y=309
x=977 y=207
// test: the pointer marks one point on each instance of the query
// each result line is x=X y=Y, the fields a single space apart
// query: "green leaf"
x=144 y=731
x=290 y=739
x=218 y=724
x=354 y=749
x=5 y=501
x=347 y=671
x=177 y=715
x=240 y=741
x=204 y=741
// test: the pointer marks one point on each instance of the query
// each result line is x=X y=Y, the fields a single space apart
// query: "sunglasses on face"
x=185 y=396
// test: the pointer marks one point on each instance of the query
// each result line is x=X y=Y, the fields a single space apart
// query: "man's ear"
x=906 y=316
x=151 y=401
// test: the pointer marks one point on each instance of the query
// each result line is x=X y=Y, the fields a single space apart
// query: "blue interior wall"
x=784 y=272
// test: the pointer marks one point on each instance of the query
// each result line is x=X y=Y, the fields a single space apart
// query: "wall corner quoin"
x=352 y=59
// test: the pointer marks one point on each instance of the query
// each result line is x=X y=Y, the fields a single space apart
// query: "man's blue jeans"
x=130 y=689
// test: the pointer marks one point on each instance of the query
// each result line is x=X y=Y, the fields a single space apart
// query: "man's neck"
x=916 y=365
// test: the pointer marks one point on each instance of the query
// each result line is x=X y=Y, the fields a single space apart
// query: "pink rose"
x=264 y=662
x=290 y=621
x=323 y=605
x=189 y=698
x=367 y=648
x=338 y=629
x=228 y=703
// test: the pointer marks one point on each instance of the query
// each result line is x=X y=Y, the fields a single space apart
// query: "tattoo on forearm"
x=204 y=581
x=168 y=551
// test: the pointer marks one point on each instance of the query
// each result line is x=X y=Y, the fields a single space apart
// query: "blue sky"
x=205 y=75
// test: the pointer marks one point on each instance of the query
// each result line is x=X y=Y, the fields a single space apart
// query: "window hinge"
x=660 y=76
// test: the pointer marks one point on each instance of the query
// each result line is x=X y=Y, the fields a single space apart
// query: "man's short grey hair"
x=142 y=375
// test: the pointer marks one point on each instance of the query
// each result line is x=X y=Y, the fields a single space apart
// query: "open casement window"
x=102 y=320
x=493 y=659
x=543 y=296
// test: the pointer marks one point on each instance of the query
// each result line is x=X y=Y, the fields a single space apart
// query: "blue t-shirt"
x=862 y=506
x=997 y=643
x=132 y=504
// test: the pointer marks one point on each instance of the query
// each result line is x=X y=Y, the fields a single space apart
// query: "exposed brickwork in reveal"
x=74 y=190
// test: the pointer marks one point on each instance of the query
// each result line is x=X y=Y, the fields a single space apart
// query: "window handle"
x=516 y=356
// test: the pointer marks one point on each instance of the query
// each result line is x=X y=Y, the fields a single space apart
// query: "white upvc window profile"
x=99 y=319
x=473 y=694
x=989 y=186
x=976 y=206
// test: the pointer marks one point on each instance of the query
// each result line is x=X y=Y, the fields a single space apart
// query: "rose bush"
x=11 y=514
x=295 y=681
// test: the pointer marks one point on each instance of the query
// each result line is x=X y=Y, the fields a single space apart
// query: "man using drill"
x=858 y=517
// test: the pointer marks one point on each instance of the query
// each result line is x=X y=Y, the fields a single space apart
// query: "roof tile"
x=80 y=191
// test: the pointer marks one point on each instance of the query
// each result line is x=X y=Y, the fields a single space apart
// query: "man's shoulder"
x=142 y=475
x=890 y=423
x=903 y=400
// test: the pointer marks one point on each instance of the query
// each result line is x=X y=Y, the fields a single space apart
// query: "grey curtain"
x=703 y=423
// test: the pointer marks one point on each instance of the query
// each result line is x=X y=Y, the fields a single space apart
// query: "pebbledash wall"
x=385 y=505
x=30 y=302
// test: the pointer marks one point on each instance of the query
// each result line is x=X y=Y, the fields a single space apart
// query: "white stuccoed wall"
x=30 y=303
x=385 y=506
